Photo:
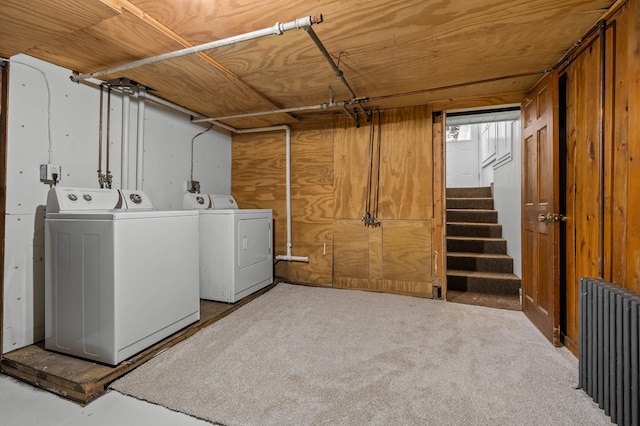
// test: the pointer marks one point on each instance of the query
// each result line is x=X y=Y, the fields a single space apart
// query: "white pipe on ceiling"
x=277 y=29
x=140 y=142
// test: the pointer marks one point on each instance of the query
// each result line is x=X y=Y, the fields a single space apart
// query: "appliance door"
x=254 y=260
x=254 y=241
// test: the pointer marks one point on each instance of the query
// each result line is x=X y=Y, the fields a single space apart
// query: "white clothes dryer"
x=120 y=276
x=236 y=254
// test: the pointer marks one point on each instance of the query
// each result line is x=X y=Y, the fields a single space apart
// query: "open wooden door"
x=540 y=199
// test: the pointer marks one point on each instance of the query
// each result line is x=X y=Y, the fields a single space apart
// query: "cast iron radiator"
x=609 y=358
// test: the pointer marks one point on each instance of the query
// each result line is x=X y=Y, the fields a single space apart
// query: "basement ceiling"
x=393 y=53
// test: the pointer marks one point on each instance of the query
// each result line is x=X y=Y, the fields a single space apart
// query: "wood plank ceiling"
x=394 y=52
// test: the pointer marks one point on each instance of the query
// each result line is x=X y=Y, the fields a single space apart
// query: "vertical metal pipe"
x=100 y=176
x=140 y=140
x=635 y=365
x=590 y=327
x=124 y=154
x=582 y=342
x=603 y=58
x=626 y=360
x=606 y=361
x=108 y=176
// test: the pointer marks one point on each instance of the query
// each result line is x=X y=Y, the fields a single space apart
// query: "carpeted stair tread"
x=470 y=203
x=465 y=238
x=485 y=262
x=484 y=282
x=477 y=244
x=472 y=229
x=477 y=259
x=473 y=254
x=472 y=215
x=476 y=192
x=480 y=274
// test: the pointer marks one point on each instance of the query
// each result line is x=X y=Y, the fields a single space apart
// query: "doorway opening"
x=562 y=195
x=483 y=207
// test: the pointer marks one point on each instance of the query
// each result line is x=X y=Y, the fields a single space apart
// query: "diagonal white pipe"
x=277 y=29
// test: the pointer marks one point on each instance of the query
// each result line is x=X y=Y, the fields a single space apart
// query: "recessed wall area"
x=52 y=120
x=333 y=163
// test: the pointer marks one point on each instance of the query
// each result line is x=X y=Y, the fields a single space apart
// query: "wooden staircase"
x=477 y=260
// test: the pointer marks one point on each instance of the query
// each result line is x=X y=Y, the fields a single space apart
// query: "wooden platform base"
x=83 y=381
x=511 y=303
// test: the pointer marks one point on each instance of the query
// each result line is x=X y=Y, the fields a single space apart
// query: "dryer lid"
x=136 y=200
x=193 y=201
x=223 y=202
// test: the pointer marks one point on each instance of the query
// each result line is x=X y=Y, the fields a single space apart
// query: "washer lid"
x=193 y=201
x=223 y=202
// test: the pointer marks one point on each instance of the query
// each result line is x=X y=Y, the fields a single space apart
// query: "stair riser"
x=480 y=264
x=477 y=246
x=472 y=216
x=470 y=203
x=482 y=231
x=484 y=285
x=483 y=192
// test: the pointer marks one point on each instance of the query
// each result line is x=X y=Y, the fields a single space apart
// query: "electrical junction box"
x=47 y=172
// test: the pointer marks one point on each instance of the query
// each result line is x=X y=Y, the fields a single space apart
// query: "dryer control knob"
x=73 y=197
x=200 y=200
x=87 y=197
x=136 y=198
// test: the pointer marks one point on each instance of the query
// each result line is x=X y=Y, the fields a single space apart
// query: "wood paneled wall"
x=622 y=168
x=329 y=173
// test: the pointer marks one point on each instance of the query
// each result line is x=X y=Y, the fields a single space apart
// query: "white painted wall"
x=463 y=159
x=74 y=118
x=506 y=190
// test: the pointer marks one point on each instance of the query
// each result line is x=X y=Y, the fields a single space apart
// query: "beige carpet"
x=319 y=356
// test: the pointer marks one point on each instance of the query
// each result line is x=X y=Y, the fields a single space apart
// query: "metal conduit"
x=274 y=111
x=329 y=59
x=277 y=29
x=602 y=25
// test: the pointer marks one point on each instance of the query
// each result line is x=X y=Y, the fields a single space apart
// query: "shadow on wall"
x=38 y=274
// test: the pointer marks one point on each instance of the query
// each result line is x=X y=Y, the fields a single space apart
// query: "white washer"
x=236 y=255
x=120 y=276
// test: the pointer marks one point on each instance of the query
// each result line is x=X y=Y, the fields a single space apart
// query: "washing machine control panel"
x=75 y=199
x=65 y=199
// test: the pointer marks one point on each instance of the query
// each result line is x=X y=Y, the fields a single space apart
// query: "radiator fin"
x=609 y=357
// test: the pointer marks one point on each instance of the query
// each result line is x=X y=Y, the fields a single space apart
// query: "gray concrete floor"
x=23 y=405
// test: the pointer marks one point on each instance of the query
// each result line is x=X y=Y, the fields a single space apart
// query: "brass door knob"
x=545 y=217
